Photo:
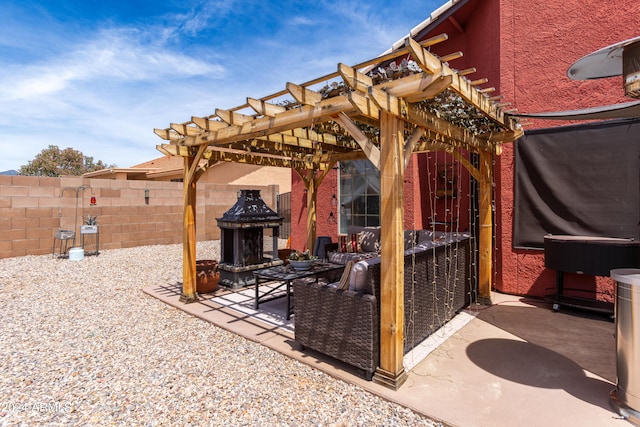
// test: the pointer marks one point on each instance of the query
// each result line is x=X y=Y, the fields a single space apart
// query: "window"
x=359 y=194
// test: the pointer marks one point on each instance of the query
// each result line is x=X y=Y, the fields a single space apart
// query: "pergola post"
x=311 y=212
x=485 y=235
x=391 y=372
x=189 y=234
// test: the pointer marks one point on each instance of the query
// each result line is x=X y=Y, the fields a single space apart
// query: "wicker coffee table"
x=285 y=274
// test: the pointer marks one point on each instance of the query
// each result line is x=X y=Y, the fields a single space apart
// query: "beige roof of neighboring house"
x=165 y=166
x=169 y=167
x=164 y=163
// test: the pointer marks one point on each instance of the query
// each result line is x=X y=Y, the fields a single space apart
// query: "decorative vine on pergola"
x=381 y=113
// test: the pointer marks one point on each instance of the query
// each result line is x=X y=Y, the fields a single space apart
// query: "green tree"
x=52 y=161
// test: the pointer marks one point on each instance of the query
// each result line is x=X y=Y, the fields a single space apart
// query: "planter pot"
x=207 y=276
x=302 y=265
x=88 y=229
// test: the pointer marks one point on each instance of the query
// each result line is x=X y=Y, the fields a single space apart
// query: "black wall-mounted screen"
x=581 y=180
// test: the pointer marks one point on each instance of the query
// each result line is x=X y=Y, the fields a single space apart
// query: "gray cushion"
x=358 y=277
x=427 y=236
x=358 y=280
x=409 y=239
x=343 y=257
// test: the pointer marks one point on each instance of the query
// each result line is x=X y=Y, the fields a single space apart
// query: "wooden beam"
x=312 y=215
x=438 y=142
x=451 y=56
x=311 y=162
x=264 y=108
x=473 y=171
x=303 y=95
x=386 y=99
x=208 y=124
x=504 y=136
x=177 y=150
x=233 y=118
x=416 y=87
x=168 y=134
x=354 y=79
x=305 y=116
x=364 y=105
x=430 y=146
x=430 y=64
x=377 y=60
x=191 y=174
x=387 y=102
x=212 y=159
x=185 y=129
x=319 y=110
x=370 y=150
x=485 y=235
x=478 y=82
x=418 y=132
x=432 y=122
x=391 y=371
x=189 y=294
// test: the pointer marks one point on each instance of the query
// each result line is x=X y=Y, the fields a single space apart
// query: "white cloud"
x=104 y=91
x=114 y=54
x=103 y=97
x=301 y=21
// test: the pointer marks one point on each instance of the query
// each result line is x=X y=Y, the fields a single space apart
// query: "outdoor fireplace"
x=242 y=238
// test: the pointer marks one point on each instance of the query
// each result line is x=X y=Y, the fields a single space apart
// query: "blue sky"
x=100 y=76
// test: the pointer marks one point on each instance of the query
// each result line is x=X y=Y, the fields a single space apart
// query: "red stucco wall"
x=538 y=43
x=524 y=48
x=324 y=227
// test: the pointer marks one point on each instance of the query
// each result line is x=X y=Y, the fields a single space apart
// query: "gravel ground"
x=81 y=344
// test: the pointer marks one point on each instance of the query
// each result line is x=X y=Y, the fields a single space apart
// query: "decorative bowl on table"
x=302 y=265
x=302 y=261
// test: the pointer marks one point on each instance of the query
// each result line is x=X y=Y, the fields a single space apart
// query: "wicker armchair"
x=344 y=324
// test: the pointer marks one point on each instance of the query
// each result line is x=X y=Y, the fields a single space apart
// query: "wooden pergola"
x=356 y=116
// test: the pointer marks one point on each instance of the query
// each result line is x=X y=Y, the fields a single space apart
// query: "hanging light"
x=93 y=201
x=332 y=218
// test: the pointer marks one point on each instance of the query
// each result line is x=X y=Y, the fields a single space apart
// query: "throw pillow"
x=369 y=240
x=352 y=244
x=343 y=243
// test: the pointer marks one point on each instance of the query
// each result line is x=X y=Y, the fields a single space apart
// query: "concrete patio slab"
x=516 y=363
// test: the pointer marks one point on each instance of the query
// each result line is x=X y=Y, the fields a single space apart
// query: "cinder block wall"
x=33 y=208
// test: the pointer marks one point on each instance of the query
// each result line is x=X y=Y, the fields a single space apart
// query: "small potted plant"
x=302 y=260
x=90 y=225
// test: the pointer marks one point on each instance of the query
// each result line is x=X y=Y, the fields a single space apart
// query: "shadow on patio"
x=515 y=363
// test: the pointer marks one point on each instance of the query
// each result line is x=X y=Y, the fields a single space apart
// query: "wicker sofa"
x=344 y=324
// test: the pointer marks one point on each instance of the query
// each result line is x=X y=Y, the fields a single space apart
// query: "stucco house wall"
x=524 y=48
x=538 y=43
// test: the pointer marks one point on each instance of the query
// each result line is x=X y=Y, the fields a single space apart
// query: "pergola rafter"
x=363 y=111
